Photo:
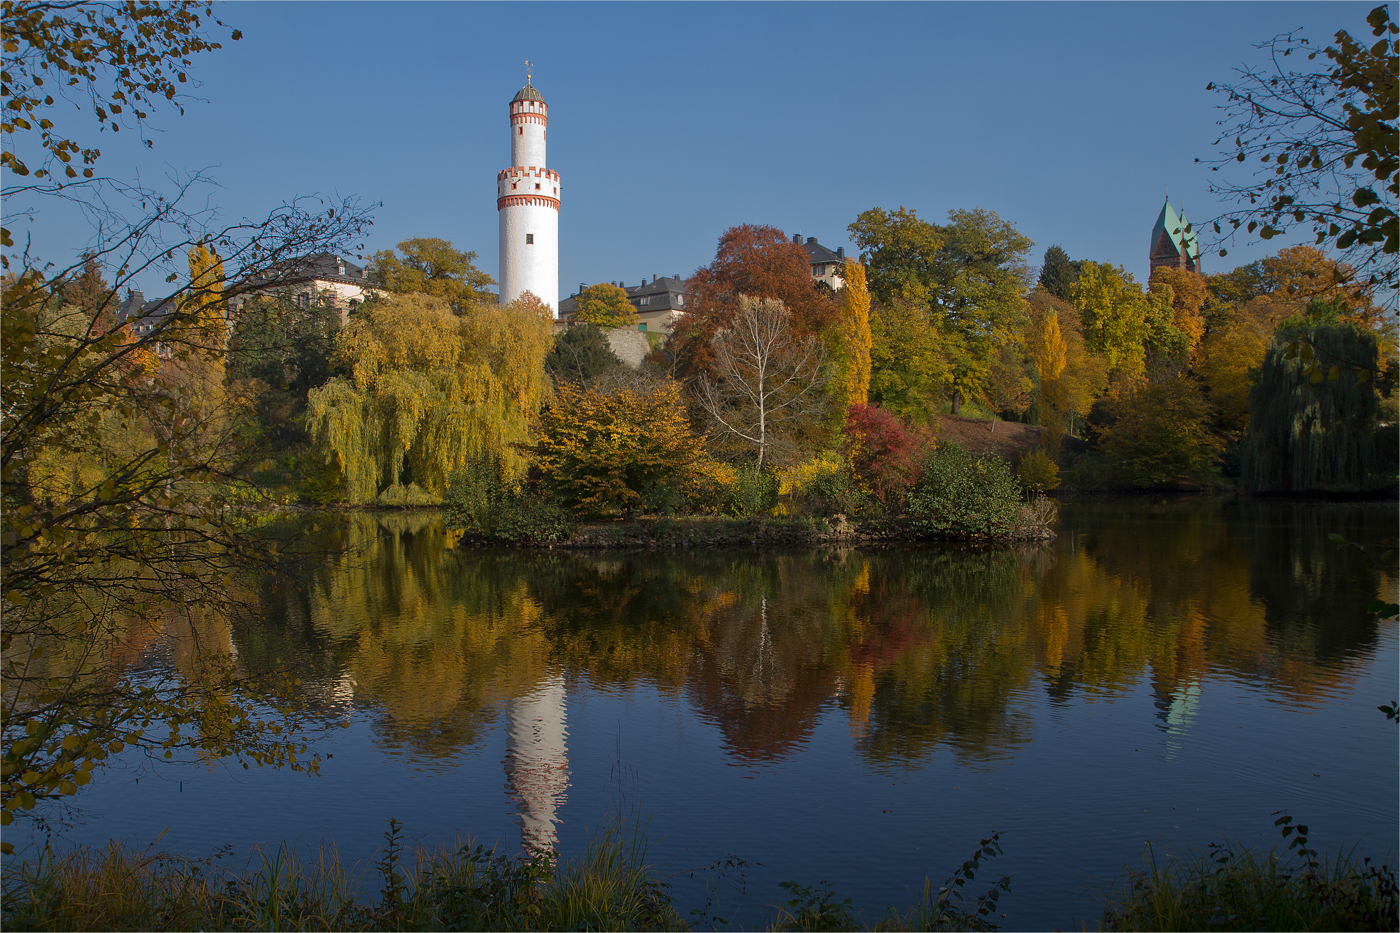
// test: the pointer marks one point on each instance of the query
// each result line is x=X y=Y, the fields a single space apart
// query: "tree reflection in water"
x=922 y=648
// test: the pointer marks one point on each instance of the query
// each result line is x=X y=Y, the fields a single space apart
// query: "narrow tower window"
x=522 y=131
x=529 y=239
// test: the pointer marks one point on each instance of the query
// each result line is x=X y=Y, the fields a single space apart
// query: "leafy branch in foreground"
x=122 y=535
x=1320 y=140
x=122 y=59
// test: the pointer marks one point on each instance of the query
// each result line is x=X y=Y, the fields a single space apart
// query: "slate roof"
x=1168 y=222
x=665 y=293
x=527 y=92
x=816 y=253
x=321 y=267
x=135 y=306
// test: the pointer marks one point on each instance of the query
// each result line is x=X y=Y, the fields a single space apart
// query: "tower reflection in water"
x=537 y=762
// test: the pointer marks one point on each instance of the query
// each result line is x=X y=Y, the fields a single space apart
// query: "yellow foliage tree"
x=1114 y=314
x=605 y=305
x=1188 y=295
x=1225 y=364
x=1161 y=434
x=1070 y=378
x=849 y=340
x=431 y=266
x=427 y=390
x=609 y=453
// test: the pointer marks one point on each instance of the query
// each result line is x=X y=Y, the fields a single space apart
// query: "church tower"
x=1172 y=243
x=527 y=202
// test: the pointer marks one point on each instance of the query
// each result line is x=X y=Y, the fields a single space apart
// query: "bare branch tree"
x=768 y=380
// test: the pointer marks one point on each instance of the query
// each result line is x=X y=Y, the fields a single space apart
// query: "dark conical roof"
x=527 y=92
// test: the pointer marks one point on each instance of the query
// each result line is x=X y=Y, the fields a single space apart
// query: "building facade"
x=320 y=276
x=827 y=266
x=527 y=204
x=658 y=303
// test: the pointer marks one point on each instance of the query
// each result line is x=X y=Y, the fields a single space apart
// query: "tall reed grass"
x=1234 y=888
x=611 y=886
x=470 y=887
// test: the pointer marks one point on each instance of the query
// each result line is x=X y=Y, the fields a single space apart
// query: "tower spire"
x=527 y=73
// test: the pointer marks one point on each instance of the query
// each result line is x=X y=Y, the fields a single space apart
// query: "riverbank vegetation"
x=612 y=886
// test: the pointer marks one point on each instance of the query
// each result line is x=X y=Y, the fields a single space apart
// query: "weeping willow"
x=1309 y=432
x=427 y=390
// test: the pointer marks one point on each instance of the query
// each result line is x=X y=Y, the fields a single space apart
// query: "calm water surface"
x=1165 y=672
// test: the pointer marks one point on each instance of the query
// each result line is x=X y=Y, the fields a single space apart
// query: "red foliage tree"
x=884 y=454
x=751 y=260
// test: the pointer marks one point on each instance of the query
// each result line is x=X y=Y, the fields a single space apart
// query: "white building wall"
x=528 y=131
x=532 y=267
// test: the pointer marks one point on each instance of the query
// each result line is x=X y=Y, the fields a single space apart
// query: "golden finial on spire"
x=527 y=73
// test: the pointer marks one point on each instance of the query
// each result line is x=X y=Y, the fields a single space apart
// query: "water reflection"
x=537 y=763
x=926 y=649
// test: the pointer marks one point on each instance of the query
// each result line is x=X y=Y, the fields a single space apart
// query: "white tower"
x=527 y=200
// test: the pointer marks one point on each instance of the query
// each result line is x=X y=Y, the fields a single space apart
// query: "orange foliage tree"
x=757 y=261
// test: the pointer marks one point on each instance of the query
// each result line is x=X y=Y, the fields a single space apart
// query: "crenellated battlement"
x=521 y=109
x=526 y=171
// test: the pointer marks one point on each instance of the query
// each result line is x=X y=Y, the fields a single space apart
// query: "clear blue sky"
x=671 y=122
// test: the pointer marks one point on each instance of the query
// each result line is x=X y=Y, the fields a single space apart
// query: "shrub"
x=482 y=503
x=795 y=484
x=755 y=491
x=959 y=494
x=884 y=454
x=1087 y=470
x=1225 y=889
x=1037 y=472
x=837 y=493
x=711 y=487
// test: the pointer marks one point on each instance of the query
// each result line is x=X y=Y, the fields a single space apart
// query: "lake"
x=1166 y=671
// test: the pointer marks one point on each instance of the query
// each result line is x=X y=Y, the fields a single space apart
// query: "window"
x=522 y=132
x=680 y=301
x=645 y=300
x=537 y=186
x=529 y=239
x=513 y=184
x=303 y=300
